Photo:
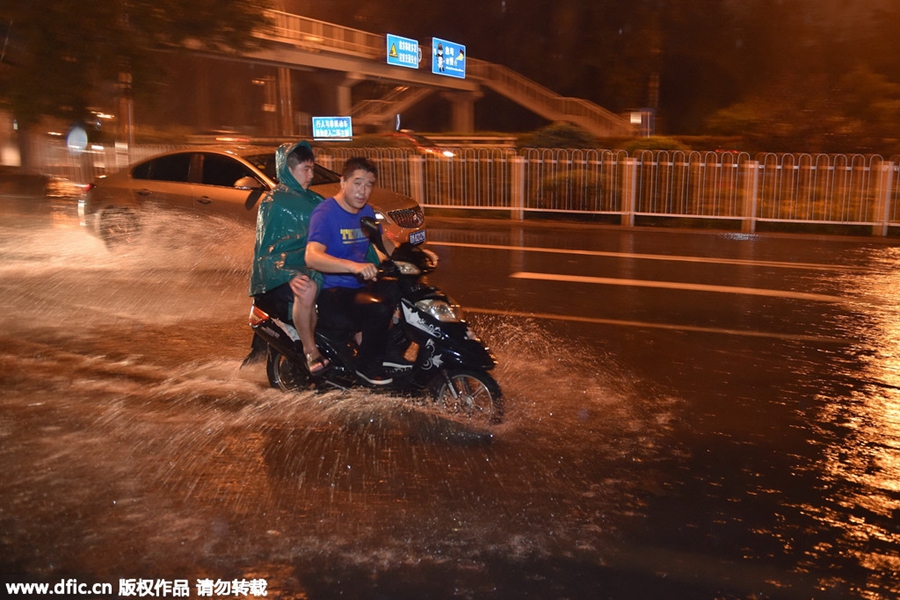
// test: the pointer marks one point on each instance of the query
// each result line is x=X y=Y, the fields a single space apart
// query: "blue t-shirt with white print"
x=340 y=233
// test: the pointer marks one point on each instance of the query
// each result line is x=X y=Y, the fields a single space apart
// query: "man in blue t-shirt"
x=338 y=249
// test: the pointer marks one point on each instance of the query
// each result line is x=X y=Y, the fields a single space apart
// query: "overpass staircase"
x=380 y=111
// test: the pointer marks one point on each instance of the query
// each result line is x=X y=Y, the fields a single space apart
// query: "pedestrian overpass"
x=354 y=56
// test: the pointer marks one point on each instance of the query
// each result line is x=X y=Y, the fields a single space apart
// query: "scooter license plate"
x=417 y=237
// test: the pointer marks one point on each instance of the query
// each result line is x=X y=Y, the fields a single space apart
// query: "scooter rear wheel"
x=284 y=374
x=471 y=394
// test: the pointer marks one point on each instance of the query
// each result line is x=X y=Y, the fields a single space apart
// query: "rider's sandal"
x=317 y=365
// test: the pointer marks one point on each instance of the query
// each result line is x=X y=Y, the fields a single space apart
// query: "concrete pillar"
x=285 y=103
x=126 y=109
x=463 y=110
x=343 y=87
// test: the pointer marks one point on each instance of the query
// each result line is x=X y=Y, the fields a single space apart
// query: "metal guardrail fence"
x=840 y=190
x=793 y=188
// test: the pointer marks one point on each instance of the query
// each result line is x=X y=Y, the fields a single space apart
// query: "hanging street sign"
x=332 y=128
x=402 y=52
x=448 y=58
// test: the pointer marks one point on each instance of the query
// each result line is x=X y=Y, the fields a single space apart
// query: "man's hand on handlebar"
x=366 y=271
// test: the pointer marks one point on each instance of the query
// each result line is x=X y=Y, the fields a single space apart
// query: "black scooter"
x=451 y=363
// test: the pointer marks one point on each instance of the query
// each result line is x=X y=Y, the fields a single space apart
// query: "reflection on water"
x=859 y=433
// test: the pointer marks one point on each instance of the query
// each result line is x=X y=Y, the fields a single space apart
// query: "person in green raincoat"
x=280 y=281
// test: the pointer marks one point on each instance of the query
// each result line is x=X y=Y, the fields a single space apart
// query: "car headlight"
x=439 y=309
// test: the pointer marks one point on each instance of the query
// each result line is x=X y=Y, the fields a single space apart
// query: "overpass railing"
x=849 y=190
x=309 y=33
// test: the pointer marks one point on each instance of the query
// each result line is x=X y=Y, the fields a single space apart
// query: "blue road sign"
x=332 y=128
x=402 y=52
x=448 y=58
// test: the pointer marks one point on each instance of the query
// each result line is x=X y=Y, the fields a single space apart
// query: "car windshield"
x=266 y=164
x=324 y=175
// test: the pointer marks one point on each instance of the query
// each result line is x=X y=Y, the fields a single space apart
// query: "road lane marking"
x=665 y=326
x=664 y=257
x=675 y=285
x=669 y=285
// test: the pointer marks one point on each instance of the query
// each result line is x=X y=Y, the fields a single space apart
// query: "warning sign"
x=402 y=52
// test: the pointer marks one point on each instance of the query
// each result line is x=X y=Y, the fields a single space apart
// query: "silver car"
x=225 y=181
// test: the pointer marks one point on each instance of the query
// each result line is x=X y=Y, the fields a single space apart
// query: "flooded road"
x=685 y=439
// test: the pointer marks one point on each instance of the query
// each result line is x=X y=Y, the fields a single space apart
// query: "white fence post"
x=751 y=195
x=884 y=194
x=416 y=180
x=326 y=160
x=629 y=191
x=517 y=188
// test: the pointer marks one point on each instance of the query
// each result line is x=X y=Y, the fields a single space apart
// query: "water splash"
x=127 y=366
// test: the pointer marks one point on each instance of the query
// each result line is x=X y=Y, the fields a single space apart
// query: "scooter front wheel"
x=284 y=374
x=472 y=394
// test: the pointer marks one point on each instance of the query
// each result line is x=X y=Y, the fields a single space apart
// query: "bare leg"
x=304 y=317
x=304 y=314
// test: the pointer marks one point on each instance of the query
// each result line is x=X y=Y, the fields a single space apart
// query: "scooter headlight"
x=407 y=268
x=440 y=310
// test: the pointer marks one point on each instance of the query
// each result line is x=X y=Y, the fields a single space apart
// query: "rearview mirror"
x=247 y=183
x=372 y=230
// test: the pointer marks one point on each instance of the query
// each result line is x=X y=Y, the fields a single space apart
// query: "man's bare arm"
x=318 y=258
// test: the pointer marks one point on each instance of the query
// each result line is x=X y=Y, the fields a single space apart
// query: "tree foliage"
x=559 y=135
x=58 y=54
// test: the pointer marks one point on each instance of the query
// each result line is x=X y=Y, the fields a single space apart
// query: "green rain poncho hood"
x=282 y=225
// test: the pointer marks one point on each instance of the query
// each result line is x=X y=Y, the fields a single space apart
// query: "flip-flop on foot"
x=317 y=365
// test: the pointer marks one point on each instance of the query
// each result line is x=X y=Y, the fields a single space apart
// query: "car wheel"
x=118 y=227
